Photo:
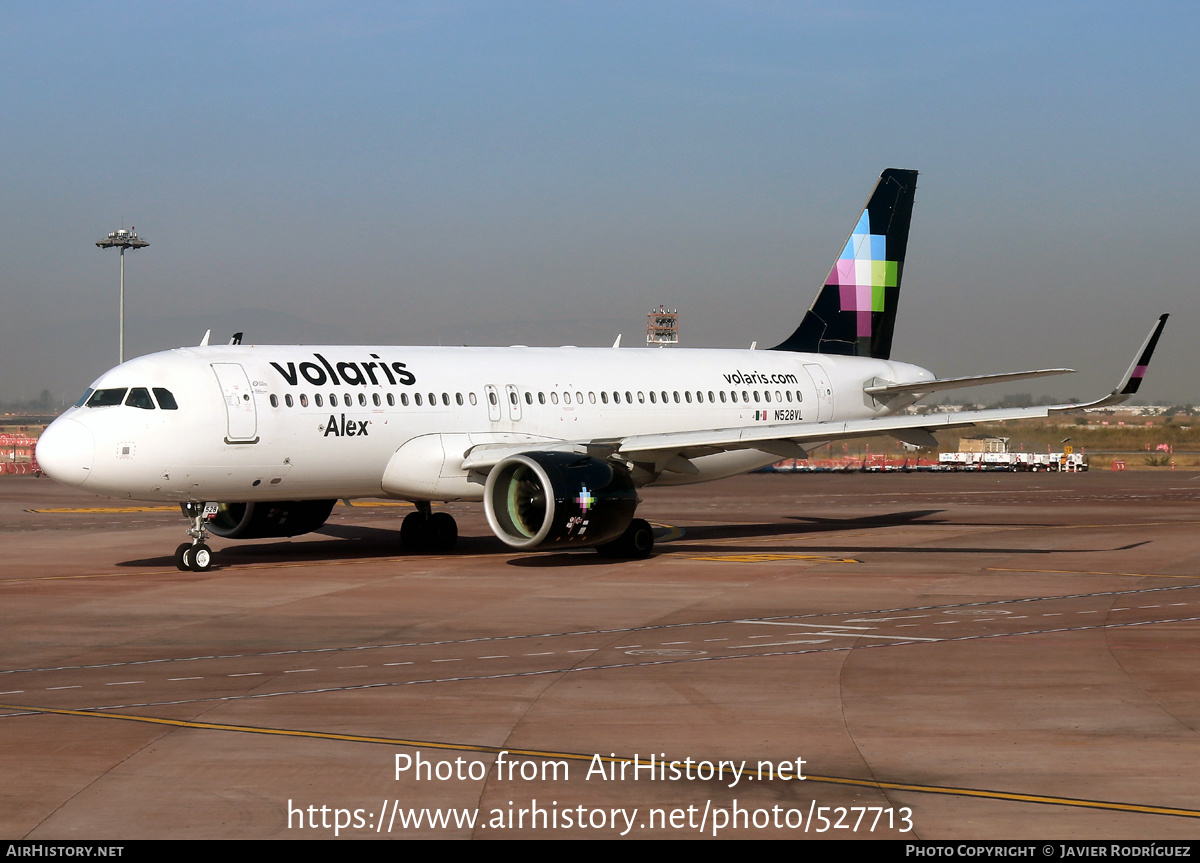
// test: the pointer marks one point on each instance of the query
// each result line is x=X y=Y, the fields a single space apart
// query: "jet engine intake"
x=547 y=499
x=263 y=519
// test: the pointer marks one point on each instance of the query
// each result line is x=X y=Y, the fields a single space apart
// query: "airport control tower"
x=662 y=327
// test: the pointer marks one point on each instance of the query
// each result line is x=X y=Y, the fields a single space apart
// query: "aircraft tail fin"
x=855 y=312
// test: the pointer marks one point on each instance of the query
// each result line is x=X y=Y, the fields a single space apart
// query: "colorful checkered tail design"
x=855 y=313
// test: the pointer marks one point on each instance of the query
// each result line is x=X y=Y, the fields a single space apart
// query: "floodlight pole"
x=122 y=239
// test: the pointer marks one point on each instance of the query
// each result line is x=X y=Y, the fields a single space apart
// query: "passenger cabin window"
x=303 y=400
x=106 y=398
x=139 y=397
x=391 y=400
x=274 y=400
x=318 y=401
x=471 y=396
x=287 y=399
x=404 y=399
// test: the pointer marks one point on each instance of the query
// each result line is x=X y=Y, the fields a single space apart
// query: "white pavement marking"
x=813 y=625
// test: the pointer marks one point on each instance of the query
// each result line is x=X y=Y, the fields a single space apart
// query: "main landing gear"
x=428 y=531
x=635 y=543
x=194 y=556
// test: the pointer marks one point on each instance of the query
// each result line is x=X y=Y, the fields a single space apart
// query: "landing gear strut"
x=194 y=556
x=428 y=531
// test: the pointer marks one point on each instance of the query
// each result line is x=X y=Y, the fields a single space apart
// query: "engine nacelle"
x=555 y=499
x=269 y=518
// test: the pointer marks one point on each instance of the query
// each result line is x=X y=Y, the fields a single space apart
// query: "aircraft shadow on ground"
x=579 y=558
x=344 y=541
x=897 y=519
x=360 y=542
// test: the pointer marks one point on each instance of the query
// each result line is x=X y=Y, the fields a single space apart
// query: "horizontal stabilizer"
x=960 y=383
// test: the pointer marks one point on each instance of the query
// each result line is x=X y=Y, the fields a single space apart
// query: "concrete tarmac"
x=985 y=656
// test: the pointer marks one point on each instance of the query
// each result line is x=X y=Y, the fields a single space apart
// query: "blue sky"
x=544 y=173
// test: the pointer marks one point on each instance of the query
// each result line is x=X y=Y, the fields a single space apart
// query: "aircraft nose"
x=66 y=451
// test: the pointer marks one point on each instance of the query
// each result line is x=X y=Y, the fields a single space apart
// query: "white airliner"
x=261 y=441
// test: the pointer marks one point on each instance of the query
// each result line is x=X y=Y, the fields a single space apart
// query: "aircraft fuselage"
x=311 y=422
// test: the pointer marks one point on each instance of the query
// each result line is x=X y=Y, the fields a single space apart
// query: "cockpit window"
x=166 y=400
x=83 y=398
x=139 y=397
x=106 y=398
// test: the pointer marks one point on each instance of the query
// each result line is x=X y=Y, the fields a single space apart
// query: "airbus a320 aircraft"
x=261 y=441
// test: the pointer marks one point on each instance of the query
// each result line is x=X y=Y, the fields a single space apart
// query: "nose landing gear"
x=194 y=556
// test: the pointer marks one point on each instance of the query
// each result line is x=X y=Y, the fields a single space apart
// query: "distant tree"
x=44 y=403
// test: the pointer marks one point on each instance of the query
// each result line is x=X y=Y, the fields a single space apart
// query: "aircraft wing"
x=913 y=429
x=672 y=451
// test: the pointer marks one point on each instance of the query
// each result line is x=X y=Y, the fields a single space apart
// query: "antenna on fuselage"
x=204 y=341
